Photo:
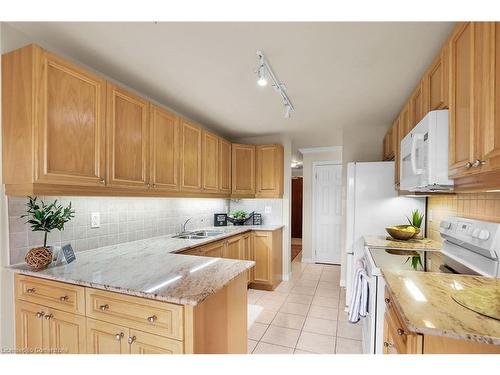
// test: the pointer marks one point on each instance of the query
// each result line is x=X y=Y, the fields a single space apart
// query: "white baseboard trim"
x=307 y=260
x=287 y=277
x=342 y=283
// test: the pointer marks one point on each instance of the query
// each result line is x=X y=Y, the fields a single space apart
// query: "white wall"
x=287 y=191
x=307 y=229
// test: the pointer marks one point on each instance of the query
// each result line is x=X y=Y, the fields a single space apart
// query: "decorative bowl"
x=403 y=232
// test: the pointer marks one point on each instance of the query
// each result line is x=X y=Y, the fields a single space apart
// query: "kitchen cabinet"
x=191 y=157
x=437 y=81
x=127 y=139
x=215 y=249
x=53 y=121
x=243 y=170
x=417 y=106
x=224 y=166
x=164 y=149
x=247 y=250
x=233 y=248
x=106 y=338
x=388 y=145
x=269 y=171
x=30 y=328
x=267 y=252
x=396 y=138
x=210 y=157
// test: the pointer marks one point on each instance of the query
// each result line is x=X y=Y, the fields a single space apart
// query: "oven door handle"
x=413 y=154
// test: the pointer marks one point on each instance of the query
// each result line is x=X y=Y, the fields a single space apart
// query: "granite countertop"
x=150 y=268
x=424 y=302
x=381 y=242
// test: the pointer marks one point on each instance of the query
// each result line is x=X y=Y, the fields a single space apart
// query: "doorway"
x=296 y=216
x=327 y=212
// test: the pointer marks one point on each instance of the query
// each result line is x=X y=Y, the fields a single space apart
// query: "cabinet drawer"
x=159 y=318
x=61 y=296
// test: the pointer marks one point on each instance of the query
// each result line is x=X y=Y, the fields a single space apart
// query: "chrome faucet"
x=183 y=226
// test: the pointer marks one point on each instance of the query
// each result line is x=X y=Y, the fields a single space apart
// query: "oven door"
x=414 y=161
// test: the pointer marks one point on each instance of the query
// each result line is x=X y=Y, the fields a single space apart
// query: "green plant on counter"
x=240 y=214
x=47 y=217
x=416 y=219
x=415 y=261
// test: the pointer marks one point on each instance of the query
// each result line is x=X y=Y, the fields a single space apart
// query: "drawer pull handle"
x=104 y=307
x=152 y=319
x=48 y=317
x=131 y=340
x=30 y=290
x=478 y=163
x=388 y=344
x=387 y=300
x=468 y=165
x=102 y=181
x=401 y=332
x=63 y=298
x=40 y=314
x=119 y=336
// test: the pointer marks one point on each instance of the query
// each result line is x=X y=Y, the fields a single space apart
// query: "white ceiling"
x=338 y=74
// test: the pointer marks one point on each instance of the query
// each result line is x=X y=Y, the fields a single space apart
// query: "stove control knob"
x=484 y=235
x=476 y=232
x=445 y=224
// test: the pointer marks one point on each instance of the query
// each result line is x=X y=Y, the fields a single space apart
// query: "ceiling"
x=337 y=74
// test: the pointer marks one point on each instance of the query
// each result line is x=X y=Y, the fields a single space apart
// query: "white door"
x=327 y=215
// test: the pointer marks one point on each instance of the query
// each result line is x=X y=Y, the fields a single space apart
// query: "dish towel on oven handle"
x=359 y=301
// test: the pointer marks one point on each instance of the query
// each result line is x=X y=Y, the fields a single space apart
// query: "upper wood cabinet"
x=164 y=149
x=396 y=136
x=127 y=138
x=224 y=166
x=417 y=107
x=437 y=81
x=210 y=158
x=191 y=157
x=269 y=171
x=388 y=149
x=53 y=120
x=243 y=170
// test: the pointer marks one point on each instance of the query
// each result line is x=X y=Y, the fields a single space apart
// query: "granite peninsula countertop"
x=381 y=242
x=150 y=268
x=424 y=302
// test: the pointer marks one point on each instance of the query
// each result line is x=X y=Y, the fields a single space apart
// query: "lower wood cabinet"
x=267 y=254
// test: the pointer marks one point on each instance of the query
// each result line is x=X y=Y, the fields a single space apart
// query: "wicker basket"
x=39 y=258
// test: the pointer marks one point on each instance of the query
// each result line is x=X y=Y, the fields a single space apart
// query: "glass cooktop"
x=411 y=260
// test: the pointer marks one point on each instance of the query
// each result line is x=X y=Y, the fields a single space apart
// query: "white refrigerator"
x=372 y=205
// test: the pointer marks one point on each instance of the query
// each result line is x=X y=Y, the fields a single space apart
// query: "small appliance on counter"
x=257 y=219
x=220 y=220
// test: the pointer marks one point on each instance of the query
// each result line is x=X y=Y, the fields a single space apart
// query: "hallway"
x=304 y=315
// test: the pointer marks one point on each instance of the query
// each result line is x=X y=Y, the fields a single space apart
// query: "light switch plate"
x=95 y=219
x=268 y=209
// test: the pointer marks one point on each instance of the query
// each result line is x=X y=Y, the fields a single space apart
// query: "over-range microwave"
x=424 y=155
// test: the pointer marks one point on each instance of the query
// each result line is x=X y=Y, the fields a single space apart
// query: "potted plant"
x=45 y=218
x=416 y=221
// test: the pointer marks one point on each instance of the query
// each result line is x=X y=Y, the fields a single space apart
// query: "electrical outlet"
x=95 y=220
x=430 y=215
x=268 y=209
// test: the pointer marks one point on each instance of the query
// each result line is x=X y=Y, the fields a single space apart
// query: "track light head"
x=288 y=109
x=262 y=81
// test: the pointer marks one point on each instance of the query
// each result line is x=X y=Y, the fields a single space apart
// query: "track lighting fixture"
x=264 y=73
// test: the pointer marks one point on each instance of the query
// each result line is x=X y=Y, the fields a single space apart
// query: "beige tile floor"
x=303 y=315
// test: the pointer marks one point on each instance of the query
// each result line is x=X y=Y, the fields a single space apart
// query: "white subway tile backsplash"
x=258 y=205
x=122 y=220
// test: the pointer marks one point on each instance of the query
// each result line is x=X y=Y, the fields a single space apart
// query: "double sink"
x=198 y=235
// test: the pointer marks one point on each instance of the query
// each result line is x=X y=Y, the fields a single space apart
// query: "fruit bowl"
x=403 y=232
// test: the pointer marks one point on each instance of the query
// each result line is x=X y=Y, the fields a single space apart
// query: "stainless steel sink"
x=208 y=233
x=189 y=237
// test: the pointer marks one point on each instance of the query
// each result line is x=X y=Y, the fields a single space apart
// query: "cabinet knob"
x=102 y=181
x=387 y=344
x=63 y=298
x=152 y=319
x=40 y=314
x=468 y=165
x=104 y=307
x=478 y=163
x=131 y=340
x=30 y=290
x=148 y=185
x=154 y=185
x=400 y=332
x=119 y=336
x=48 y=317
x=387 y=300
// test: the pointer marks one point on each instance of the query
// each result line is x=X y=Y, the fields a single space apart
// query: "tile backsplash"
x=483 y=206
x=122 y=220
x=259 y=205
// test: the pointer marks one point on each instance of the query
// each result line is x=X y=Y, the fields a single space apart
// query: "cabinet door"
x=106 y=338
x=247 y=250
x=146 y=343
x=438 y=81
x=243 y=169
x=70 y=121
x=404 y=122
x=66 y=332
x=233 y=248
x=262 y=247
x=215 y=250
x=269 y=171
x=30 y=324
x=190 y=157
x=417 y=106
x=127 y=139
x=397 y=148
x=461 y=150
x=224 y=166
x=164 y=146
x=210 y=160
